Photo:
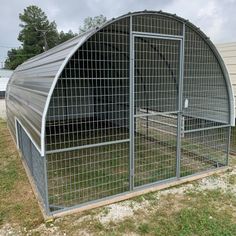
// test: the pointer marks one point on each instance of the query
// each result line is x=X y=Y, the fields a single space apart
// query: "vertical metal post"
x=228 y=146
x=180 y=105
x=131 y=105
x=17 y=135
x=147 y=122
x=46 y=185
x=46 y=179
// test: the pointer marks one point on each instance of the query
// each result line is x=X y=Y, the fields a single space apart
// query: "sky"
x=215 y=17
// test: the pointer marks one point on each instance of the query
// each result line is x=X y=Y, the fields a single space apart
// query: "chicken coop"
x=140 y=101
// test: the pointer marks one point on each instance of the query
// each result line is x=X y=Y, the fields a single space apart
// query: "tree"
x=62 y=36
x=15 y=57
x=38 y=34
x=92 y=22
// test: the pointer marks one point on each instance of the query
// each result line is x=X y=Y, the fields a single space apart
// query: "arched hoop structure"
x=143 y=99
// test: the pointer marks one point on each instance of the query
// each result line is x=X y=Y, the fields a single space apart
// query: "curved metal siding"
x=30 y=84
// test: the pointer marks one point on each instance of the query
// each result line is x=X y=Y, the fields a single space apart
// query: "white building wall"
x=3 y=84
x=228 y=53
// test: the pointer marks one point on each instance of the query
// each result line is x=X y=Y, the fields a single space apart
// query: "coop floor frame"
x=137 y=189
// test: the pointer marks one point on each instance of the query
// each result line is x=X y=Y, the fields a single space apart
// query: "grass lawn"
x=204 y=207
x=17 y=202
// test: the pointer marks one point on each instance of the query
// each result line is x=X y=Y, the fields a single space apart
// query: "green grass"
x=209 y=212
x=193 y=221
x=16 y=197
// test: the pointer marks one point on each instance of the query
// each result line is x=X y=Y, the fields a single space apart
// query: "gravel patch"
x=82 y=219
x=10 y=230
x=116 y=212
x=120 y=211
x=212 y=184
x=176 y=190
x=47 y=231
x=217 y=183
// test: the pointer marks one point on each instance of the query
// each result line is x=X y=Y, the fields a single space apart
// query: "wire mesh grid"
x=90 y=103
x=80 y=176
x=34 y=161
x=233 y=140
x=90 y=106
x=156 y=76
x=205 y=107
x=152 y=23
x=157 y=63
x=205 y=94
x=155 y=150
x=88 y=128
x=203 y=150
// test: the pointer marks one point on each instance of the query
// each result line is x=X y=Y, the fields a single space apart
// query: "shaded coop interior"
x=143 y=100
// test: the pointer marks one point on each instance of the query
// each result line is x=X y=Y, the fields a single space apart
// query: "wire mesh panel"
x=156 y=78
x=203 y=150
x=205 y=93
x=233 y=140
x=155 y=150
x=156 y=74
x=90 y=103
x=151 y=23
x=87 y=174
x=205 y=108
x=102 y=139
x=87 y=136
x=34 y=161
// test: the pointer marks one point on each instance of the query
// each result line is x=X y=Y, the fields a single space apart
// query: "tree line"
x=38 y=34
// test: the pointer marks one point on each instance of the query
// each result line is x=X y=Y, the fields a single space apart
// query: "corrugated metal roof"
x=228 y=53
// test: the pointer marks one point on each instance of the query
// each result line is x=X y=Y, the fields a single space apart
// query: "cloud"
x=215 y=17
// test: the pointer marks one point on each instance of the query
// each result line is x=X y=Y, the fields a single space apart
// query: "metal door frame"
x=133 y=35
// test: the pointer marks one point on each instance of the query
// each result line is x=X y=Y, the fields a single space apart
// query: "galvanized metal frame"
x=180 y=104
x=131 y=101
x=231 y=96
x=228 y=146
x=132 y=115
x=17 y=138
x=179 y=125
x=87 y=146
